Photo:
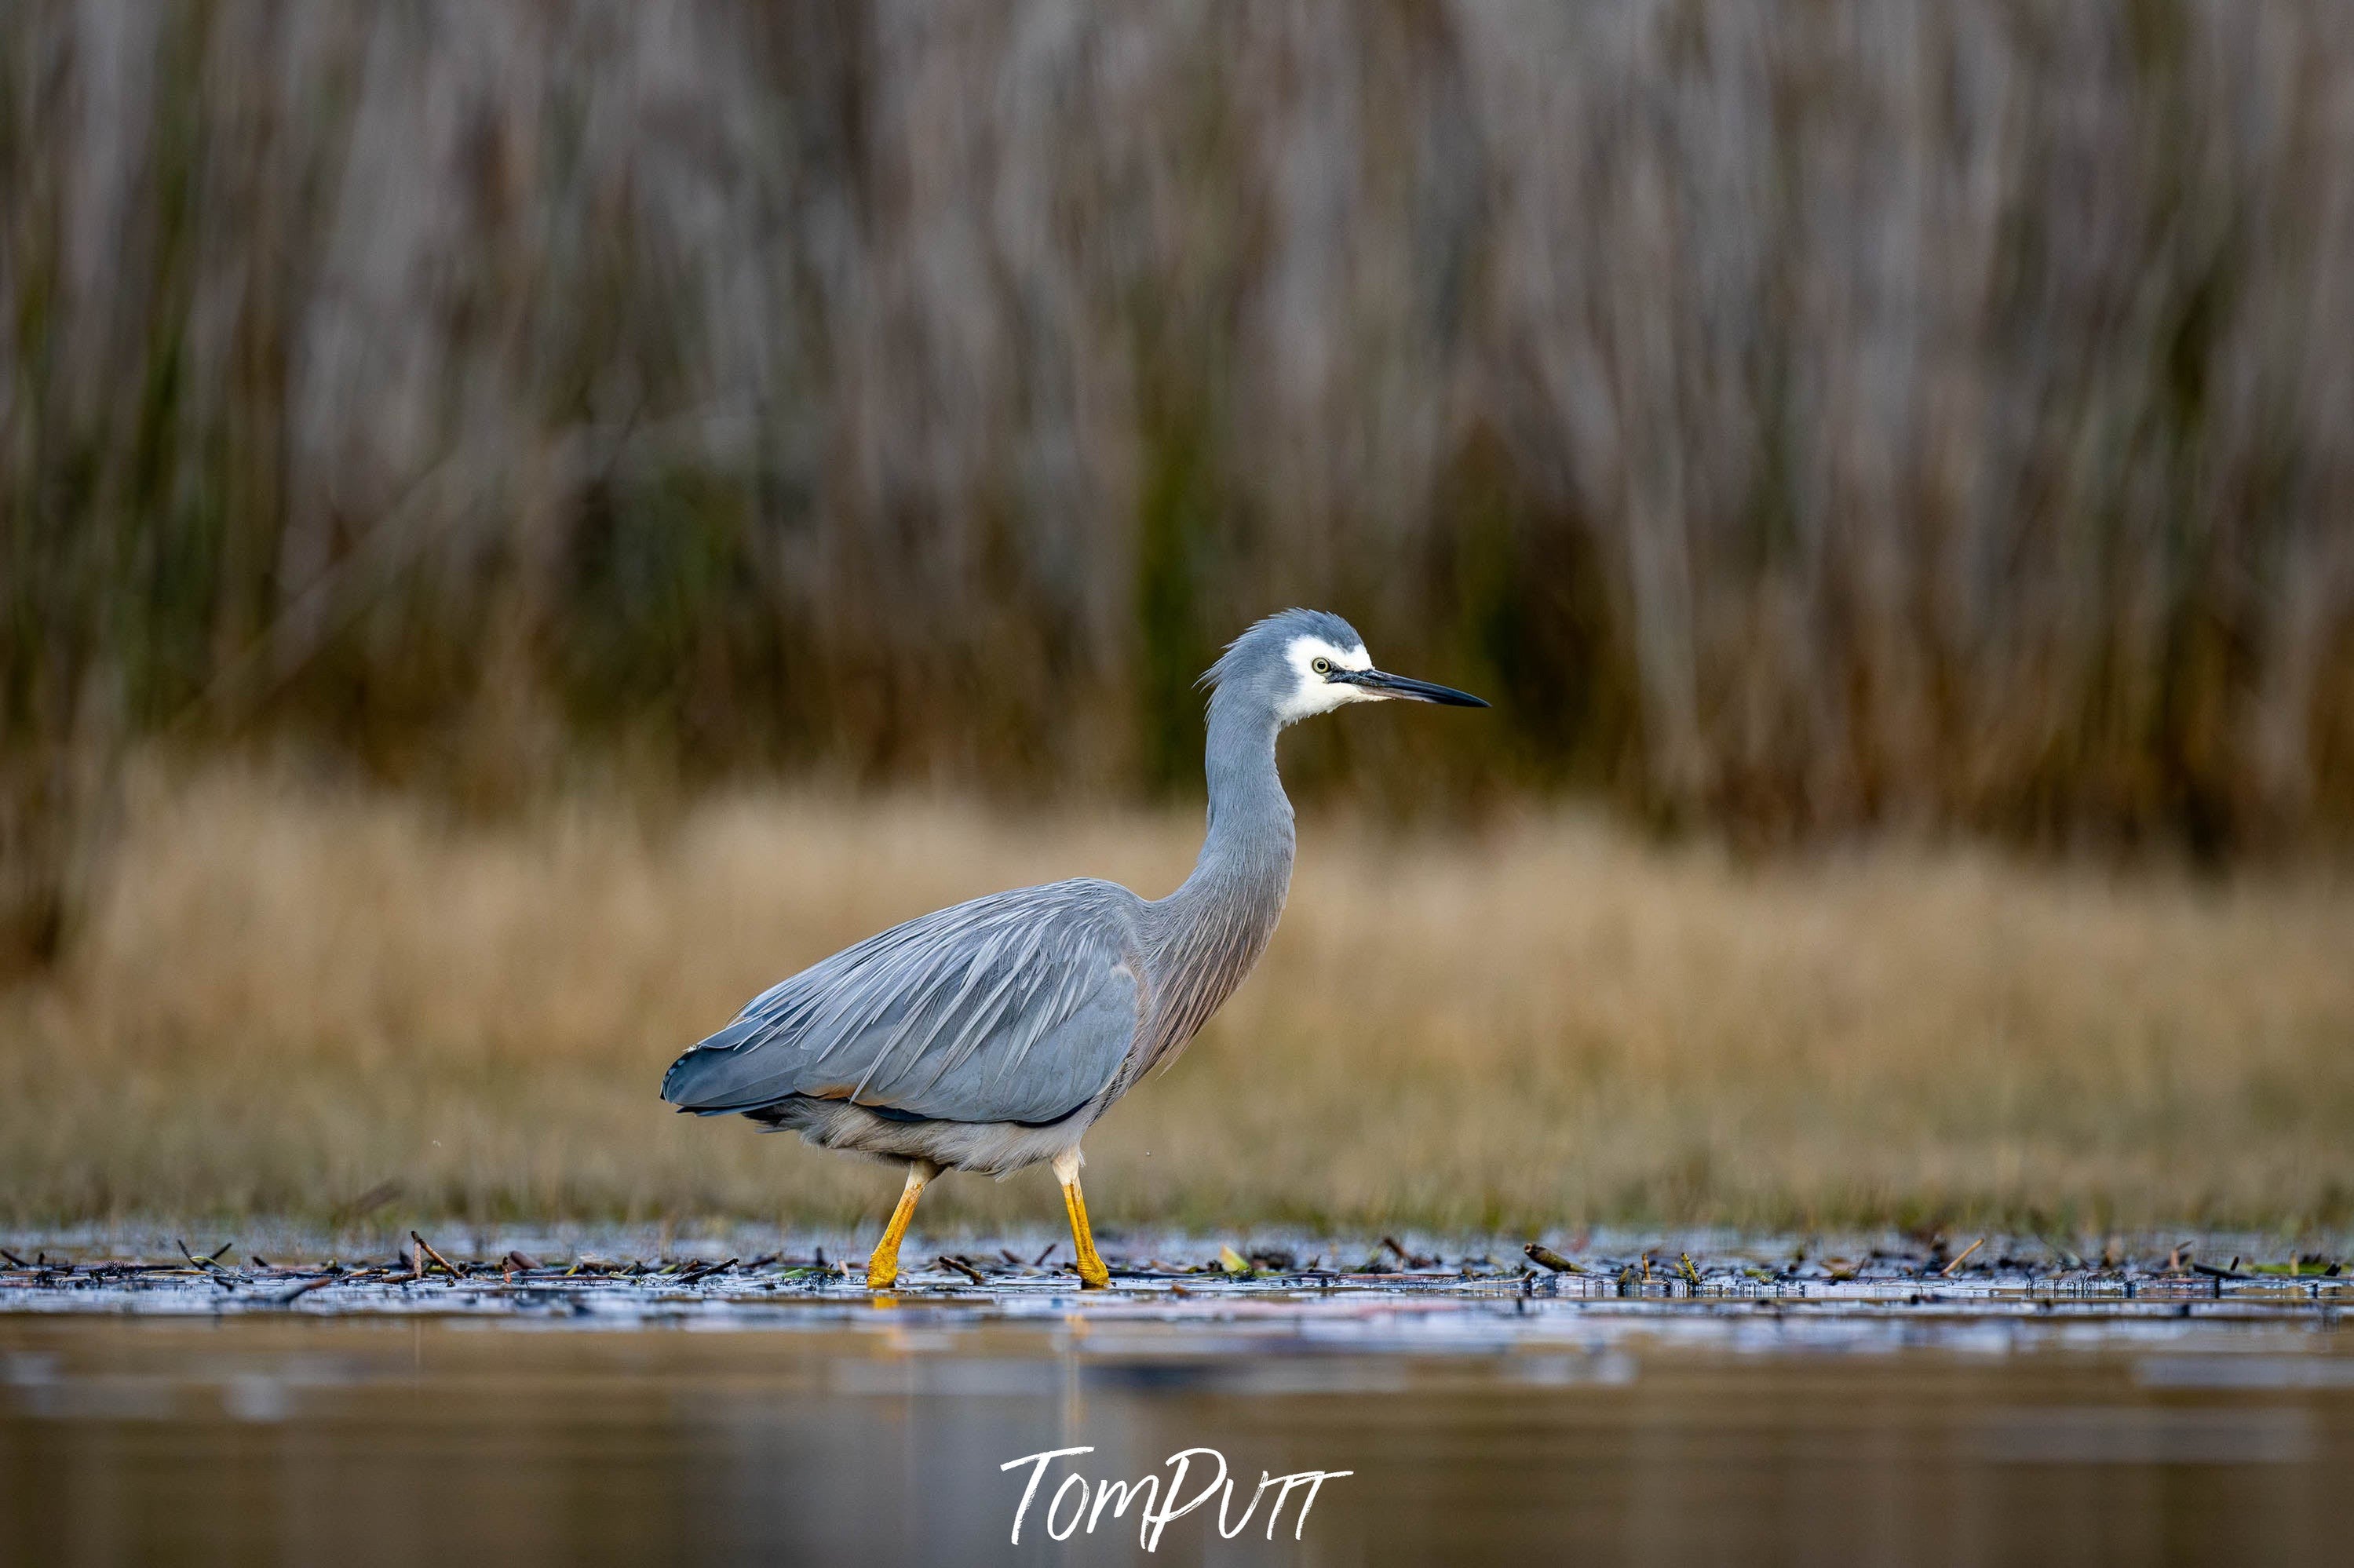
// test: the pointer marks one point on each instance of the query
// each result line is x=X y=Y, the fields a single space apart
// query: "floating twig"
x=297 y=1291
x=447 y=1266
x=1947 y=1271
x=209 y=1266
x=1541 y=1253
x=1040 y=1261
x=968 y=1270
x=1411 y=1260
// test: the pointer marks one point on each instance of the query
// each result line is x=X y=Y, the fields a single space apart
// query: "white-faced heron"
x=989 y=1036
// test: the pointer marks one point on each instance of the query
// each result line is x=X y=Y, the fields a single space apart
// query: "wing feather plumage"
x=1020 y=1006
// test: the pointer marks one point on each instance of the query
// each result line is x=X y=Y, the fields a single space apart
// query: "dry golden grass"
x=288 y=998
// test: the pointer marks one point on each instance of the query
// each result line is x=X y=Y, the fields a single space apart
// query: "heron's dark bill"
x=1412 y=690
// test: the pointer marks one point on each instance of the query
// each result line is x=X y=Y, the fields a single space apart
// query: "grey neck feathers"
x=1209 y=934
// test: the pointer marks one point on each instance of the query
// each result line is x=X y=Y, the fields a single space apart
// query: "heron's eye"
x=1322 y=666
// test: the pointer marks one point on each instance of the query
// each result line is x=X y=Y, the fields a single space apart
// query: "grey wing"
x=1018 y=1007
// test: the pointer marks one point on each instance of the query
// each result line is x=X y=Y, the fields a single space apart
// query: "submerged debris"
x=1988 y=1276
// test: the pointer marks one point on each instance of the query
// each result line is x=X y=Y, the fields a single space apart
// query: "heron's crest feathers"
x=1260 y=649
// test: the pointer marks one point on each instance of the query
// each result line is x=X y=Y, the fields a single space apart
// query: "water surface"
x=1477 y=1426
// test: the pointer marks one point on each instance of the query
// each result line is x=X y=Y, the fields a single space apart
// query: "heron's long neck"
x=1214 y=926
x=1244 y=868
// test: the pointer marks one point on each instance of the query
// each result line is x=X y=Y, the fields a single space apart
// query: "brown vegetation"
x=287 y=999
x=1797 y=415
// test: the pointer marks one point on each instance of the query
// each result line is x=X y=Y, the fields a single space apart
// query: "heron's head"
x=1299 y=662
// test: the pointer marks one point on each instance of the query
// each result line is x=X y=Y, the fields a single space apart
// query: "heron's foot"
x=883 y=1267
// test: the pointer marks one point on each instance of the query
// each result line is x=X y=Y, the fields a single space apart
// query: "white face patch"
x=1315 y=694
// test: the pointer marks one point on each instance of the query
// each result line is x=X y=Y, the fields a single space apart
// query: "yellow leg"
x=1092 y=1275
x=882 y=1267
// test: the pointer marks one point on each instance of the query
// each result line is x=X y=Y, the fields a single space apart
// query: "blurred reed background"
x=1916 y=419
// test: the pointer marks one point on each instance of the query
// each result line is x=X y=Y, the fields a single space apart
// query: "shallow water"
x=607 y=1421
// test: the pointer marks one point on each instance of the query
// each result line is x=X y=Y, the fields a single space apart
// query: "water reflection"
x=878 y=1438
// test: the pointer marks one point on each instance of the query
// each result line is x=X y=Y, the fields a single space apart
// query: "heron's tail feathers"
x=710 y=1076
